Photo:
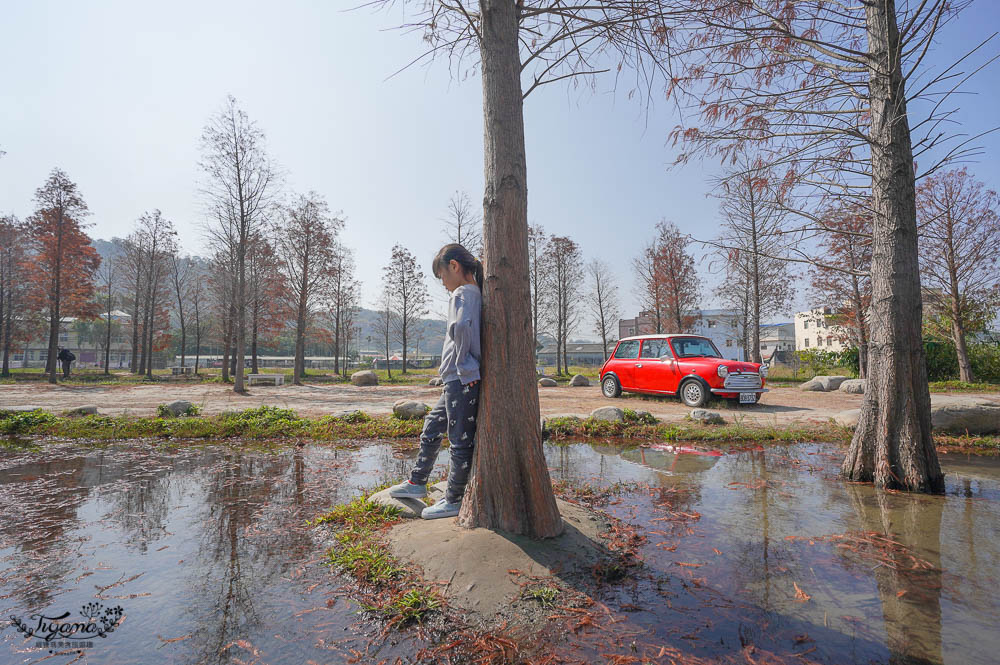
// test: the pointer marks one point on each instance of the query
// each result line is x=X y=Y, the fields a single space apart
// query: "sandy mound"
x=474 y=563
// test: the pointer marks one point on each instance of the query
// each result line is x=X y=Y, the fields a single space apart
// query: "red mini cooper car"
x=685 y=365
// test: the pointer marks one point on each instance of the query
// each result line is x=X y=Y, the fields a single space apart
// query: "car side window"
x=627 y=350
x=655 y=348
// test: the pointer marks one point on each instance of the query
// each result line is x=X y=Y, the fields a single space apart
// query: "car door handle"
x=638 y=364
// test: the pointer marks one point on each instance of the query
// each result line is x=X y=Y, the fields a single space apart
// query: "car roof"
x=660 y=336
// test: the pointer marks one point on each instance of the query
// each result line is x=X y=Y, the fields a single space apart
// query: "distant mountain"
x=429 y=333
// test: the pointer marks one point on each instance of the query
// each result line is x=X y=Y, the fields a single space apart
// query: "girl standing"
x=455 y=412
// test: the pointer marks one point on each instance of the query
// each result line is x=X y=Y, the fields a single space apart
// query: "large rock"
x=579 y=380
x=179 y=408
x=364 y=378
x=20 y=409
x=546 y=382
x=436 y=381
x=975 y=416
x=89 y=410
x=823 y=383
x=959 y=416
x=611 y=414
x=707 y=417
x=411 y=508
x=853 y=386
x=847 y=418
x=407 y=409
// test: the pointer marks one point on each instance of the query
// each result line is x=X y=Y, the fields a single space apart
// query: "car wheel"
x=693 y=393
x=610 y=387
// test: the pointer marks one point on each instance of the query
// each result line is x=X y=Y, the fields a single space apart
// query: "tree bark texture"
x=892 y=445
x=510 y=489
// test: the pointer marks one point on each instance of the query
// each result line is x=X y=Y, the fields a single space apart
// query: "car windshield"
x=692 y=347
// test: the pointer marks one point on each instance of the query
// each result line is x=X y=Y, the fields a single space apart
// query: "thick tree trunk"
x=892 y=444
x=510 y=489
x=862 y=327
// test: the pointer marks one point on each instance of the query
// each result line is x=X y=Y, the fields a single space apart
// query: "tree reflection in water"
x=907 y=568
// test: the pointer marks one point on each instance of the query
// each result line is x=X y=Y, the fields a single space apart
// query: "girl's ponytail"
x=479 y=273
x=455 y=252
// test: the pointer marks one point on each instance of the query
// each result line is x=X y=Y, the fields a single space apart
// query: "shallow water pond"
x=751 y=555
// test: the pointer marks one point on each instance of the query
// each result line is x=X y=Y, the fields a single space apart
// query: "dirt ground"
x=780 y=405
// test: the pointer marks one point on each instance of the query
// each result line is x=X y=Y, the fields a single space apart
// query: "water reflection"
x=205 y=549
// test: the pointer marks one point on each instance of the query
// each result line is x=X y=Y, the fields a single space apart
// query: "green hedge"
x=942 y=361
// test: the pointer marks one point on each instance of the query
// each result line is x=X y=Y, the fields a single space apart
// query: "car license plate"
x=748 y=398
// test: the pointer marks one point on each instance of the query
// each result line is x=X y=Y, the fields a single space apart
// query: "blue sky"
x=117 y=93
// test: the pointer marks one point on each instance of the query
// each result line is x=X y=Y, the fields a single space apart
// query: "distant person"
x=66 y=357
x=456 y=410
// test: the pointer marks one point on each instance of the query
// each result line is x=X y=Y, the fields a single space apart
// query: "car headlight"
x=723 y=371
x=763 y=370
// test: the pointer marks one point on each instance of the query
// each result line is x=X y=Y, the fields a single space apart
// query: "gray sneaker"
x=441 y=509
x=407 y=490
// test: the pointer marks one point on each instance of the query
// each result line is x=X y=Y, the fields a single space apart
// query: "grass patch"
x=265 y=422
x=359 y=514
x=962 y=387
x=570 y=428
x=409 y=606
x=544 y=594
x=24 y=422
x=386 y=588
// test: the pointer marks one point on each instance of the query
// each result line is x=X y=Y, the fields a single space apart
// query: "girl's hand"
x=472 y=383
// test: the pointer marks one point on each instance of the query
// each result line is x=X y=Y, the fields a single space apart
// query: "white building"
x=722 y=327
x=83 y=339
x=812 y=331
x=776 y=337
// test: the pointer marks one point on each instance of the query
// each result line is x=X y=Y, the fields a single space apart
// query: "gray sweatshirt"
x=460 y=353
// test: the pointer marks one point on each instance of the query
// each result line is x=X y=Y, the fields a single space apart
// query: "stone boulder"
x=436 y=381
x=579 y=380
x=89 y=410
x=546 y=382
x=847 y=418
x=853 y=386
x=364 y=378
x=975 y=416
x=611 y=414
x=407 y=409
x=823 y=384
x=957 y=415
x=707 y=417
x=178 y=408
x=410 y=508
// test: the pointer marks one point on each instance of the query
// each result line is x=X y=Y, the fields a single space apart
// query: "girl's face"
x=453 y=275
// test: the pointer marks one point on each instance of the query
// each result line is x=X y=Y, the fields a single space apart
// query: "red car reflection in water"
x=689 y=366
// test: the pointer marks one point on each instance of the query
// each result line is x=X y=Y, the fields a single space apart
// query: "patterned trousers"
x=454 y=413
